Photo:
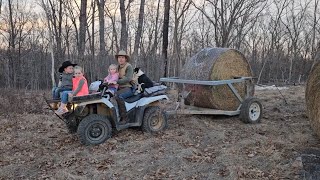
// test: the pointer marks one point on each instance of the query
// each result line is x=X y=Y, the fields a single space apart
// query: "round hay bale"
x=215 y=64
x=313 y=98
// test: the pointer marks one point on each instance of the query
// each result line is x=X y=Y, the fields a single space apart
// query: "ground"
x=37 y=146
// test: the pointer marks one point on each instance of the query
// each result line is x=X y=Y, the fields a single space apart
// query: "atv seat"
x=133 y=98
x=155 y=91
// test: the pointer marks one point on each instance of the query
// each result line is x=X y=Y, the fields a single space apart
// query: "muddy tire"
x=251 y=111
x=154 y=120
x=94 y=129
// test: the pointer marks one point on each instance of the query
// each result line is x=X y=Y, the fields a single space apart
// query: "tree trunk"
x=139 y=32
x=175 y=55
x=165 y=35
x=12 y=37
x=51 y=43
x=56 y=23
x=124 y=32
x=102 y=47
x=314 y=48
x=60 y=52
x=156 y=66
x=82 y=29
x=92 y=63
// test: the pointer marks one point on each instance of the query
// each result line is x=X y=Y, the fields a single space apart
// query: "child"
x=65 y=80
x=112 y=78
x=79 y=88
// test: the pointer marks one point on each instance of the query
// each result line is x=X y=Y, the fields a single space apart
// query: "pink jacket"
x=112 y=78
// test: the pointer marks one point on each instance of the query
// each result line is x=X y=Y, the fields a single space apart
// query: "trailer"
x=249 y=109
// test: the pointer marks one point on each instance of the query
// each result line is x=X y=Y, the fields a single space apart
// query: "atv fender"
x=147 y=100
x=102 y=100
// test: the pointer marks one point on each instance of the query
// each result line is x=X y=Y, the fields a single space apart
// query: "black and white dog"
x=141 y=80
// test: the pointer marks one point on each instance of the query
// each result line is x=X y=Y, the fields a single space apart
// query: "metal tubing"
x=235 y=92
x=208 y=83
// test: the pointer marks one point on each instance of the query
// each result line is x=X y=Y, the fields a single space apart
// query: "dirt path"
x=193 y=147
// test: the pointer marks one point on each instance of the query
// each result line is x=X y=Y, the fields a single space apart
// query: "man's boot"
x=123 y=113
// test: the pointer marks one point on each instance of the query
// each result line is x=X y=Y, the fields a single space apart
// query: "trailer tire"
x=251 y=111
x=154 y=120
x=94 y=129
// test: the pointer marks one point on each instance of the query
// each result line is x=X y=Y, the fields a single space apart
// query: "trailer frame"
x=181 y=108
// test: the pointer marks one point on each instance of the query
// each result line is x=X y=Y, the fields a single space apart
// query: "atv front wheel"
x=94 y=129
x=154 y=120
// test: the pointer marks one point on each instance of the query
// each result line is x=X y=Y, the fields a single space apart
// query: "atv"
x=93 y=117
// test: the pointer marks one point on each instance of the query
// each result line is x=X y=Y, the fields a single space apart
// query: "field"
x=35 y=144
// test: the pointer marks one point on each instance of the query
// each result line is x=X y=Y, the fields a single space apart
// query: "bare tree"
x=18 y=30
x=124 y=32
x=315 y=48
x=12 y=46
x=102 y=47
x=56 y=16
x=49 y=17
x=165 y=34
x=71 y=12
x=180 y=9
x=294 y=25
x=114 y=37
x=224 y=16
x=139 y=32
x=82 y=28
x=275 y=34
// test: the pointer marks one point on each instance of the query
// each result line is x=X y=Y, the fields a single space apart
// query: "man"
x=125 y=88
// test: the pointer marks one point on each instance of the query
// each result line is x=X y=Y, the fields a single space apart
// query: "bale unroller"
x=313 y=98
x=216 y=64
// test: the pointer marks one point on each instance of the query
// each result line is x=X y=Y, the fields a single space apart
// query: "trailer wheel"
x=251 y=111
x=154 y=120
x=94 y=129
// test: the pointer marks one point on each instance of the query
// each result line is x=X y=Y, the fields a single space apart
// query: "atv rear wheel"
x=154 y=120
x=94 y=129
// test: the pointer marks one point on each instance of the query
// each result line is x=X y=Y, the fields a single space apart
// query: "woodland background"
x=278 y=37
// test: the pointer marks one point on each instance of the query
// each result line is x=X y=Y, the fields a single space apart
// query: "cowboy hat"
x=64 y=65
x=123 y=53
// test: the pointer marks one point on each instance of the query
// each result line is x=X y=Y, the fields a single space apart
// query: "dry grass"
x=313 y=98
x=14 y=101
x=38 y=146
x=216 y=64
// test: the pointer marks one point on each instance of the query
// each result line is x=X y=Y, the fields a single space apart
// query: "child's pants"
x=113 y=89
x=57 y=90
x=65 y=96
